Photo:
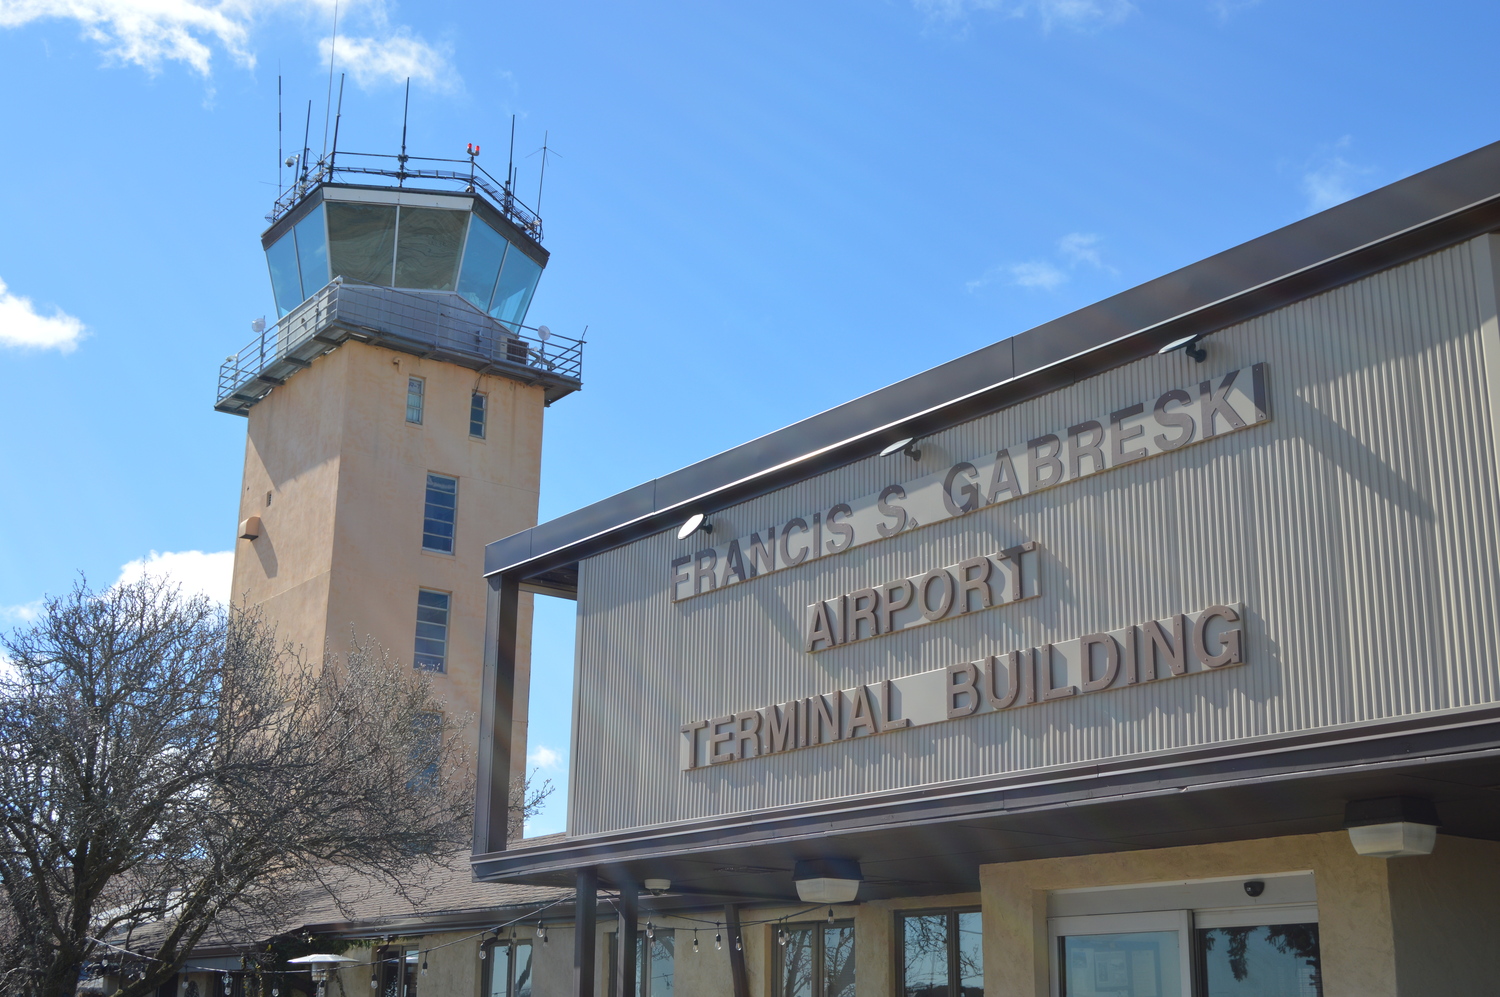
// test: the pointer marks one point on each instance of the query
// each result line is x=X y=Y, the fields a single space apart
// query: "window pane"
x=523 y=970
x=440 y=513
x=415 y=390
x=286 y=283
x=478 y=405
x=312 y=252
x=513 y=292
x=1267 y=961
x=431 y=650
x=971 y=954
x=427 y=745
x=428 y=241
x=924 y=955
x=796 y=977
x=1136 y=964
x=362 y=241
x=482 y=258
x=660 y=969
x=838 y=961
x=413 y=958
x=499 y=970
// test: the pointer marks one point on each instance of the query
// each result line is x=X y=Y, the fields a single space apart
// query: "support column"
x=626 y=968
x=496 y=715
x=736 y=951
x=585 y=921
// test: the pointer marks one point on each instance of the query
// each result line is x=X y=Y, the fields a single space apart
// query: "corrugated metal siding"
x=1357 y=527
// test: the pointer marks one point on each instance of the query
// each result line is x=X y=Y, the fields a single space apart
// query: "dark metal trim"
x=1410 y=218
x=1413 y=741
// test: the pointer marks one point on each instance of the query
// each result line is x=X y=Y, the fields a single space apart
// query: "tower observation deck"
x=445 y=270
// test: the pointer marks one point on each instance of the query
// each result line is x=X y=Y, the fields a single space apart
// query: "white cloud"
x=150 y=33
x=402 y=56
x=1076 y=14
x=1075 y=248
x=195 y=571
x=25 y=612
x=21 y=326
x=1329 y=179
x=1083 y=247
x=544 y=757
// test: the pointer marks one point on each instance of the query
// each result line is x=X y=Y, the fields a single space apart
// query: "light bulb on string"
x=424 y=963
x=830 y=915
x=781 y=937
x=718 y=942
x=650 y=930
x=738 y=947
x=541 y=929
x=374 y=983
x=695 y=939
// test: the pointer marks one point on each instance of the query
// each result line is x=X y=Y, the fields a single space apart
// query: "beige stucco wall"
x=341 y=547
x=1354 y=905
x=1445 y=911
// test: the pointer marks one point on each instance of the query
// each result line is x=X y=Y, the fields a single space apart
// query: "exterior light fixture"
x=718 y=941
x=696 y=523
x=1392 y=827
x=319 y=964
x=1188 y=345
x=906 y=446
x=656 y=887
x=827 y=881
x=541 y=930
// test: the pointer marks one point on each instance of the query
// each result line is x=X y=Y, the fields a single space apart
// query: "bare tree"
x=166 y=762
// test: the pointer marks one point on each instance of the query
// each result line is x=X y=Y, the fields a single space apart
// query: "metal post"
x=585 y=919
x=496 y=716
x=736 y=951
x=627 y=967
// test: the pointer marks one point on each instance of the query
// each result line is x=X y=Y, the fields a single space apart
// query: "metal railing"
x=439 y=324
x=473 y=179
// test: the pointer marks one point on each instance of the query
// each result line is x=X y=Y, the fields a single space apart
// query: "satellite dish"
x=896 y=447
x=694 y=523
x=258 y=326
x=543 y=333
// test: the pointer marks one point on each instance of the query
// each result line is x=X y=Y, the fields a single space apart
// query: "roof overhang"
x=1434 y=209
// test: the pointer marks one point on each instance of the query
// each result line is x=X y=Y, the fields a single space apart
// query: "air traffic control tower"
x=395 y=412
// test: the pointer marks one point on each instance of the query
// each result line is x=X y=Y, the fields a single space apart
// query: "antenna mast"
x=306 y=132
x=401 y=159
x=337 y=118
x=279 y=150
x=332 y=44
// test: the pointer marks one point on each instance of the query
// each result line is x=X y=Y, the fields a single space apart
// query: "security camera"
x=1255 y=888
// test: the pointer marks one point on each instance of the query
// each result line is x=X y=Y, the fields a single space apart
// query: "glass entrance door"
x=1121 y=955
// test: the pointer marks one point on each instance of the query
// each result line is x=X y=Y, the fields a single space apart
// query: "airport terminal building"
x=1148 y=653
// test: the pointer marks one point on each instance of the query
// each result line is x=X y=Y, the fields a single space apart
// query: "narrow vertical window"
x=815 y=960
x=440 y=513
x=655 y=961
x=478 y=403
x=431 y=652
x=941 y=954
x=509 y=969
x=415 y=395
x=426 y=749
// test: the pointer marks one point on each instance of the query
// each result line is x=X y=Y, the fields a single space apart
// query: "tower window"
x=415 y=395
x=431 y=651
x=478 y=409
x=440 y=513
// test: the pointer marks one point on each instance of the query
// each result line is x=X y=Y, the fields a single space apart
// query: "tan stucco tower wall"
x=338 y=478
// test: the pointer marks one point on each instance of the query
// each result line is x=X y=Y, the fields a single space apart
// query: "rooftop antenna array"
x=401 y=159
x=279 y=164
x=306 y=134
x=338 y=117
x=545 y=151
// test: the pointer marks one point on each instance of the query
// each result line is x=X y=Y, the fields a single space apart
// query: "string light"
x=737 y=946
x=650 y=931
x=781 y=937
x=374 y=983
x=718 y=944
x=695 y=939
x=830 y=915
x=424 y=963
x=541 y=930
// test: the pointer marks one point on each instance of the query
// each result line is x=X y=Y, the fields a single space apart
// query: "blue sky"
x=742 y=194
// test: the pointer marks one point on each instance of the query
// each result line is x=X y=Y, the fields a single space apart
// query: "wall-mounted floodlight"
x=906 y=446
x=1188 y=345
x=827 y=881
x=696 y=523
x=1392 y=827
